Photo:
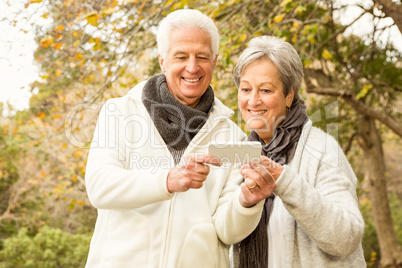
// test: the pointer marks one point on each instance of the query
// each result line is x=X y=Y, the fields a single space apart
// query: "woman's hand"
x=259 y=181
x=272 y=167
x=258 y=184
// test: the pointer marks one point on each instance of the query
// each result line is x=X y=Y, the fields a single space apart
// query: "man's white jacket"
x=141 y=224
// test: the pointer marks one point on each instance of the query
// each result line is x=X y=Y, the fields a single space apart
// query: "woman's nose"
x=254 y=99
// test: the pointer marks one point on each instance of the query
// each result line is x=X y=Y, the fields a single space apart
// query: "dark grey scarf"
x=176 y=123
x=253 y=250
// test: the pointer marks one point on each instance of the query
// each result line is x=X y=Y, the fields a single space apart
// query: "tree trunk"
x=391 y=251
x=392 y=10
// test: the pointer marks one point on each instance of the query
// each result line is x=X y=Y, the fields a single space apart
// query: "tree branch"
x=313 y=87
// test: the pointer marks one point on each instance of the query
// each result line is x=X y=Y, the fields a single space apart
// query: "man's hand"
x=259 y=181
x=190 y=173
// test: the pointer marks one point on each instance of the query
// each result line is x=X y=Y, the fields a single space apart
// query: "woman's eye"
x=265 y=90
x=245 y=89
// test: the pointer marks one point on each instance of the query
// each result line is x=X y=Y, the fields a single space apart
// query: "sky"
x=17 y=45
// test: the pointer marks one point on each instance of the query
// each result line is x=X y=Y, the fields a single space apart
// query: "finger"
x=259 y=175
x=208 y=159
x=201 y=169
x=250 y=183
x=196 y=184
x=255 y=163
x=269 y=163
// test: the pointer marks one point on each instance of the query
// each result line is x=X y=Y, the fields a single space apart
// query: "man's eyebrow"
x=205 y=53
x=179 y=52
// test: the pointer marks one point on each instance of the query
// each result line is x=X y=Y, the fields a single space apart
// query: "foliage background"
x=95 y=50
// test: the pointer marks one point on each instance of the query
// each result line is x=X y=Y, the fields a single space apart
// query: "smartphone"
x=235 y=153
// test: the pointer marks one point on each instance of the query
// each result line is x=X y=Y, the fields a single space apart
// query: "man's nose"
x=192 y=65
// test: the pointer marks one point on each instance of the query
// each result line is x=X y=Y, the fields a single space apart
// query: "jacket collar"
x=218 y=108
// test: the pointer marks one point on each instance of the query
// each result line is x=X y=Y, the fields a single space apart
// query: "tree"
x=368 y=80
x=94 y=50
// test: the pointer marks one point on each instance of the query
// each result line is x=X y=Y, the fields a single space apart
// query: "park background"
x=87 y=51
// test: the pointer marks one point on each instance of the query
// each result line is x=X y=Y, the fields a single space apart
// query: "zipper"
x=168 y=232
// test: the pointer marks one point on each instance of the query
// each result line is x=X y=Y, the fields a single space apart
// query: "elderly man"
x=163 y=202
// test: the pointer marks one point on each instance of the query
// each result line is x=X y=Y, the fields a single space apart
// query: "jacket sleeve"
x=324 y=204
x=232 y=221
x=109 y=184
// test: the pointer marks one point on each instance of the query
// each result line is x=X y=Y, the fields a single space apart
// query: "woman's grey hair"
x=186 y=18
x=282 y=55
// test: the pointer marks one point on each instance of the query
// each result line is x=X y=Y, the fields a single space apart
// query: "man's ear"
x=161 y=63
x=216 y=58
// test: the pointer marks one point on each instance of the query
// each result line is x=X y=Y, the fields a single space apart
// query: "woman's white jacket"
x=141 y=224
x=322 y=225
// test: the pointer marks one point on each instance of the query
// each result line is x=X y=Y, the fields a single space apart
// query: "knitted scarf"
x=253 y=250
x=176 y=123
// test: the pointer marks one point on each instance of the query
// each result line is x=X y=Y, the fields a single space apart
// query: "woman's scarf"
x=176 y=123
x=253 y=250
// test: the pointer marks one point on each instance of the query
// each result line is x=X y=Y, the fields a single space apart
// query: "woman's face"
x=261 y=99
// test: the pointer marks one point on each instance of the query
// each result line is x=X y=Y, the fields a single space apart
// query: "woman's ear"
x=289 y=98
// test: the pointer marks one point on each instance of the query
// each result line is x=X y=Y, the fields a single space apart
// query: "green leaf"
x=365 y=90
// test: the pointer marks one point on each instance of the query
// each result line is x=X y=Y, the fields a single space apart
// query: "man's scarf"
x=176 y=123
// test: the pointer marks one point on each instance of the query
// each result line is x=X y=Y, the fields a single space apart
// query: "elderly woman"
x=312 y=218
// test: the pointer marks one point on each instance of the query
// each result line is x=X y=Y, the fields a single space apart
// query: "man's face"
x=188 y=65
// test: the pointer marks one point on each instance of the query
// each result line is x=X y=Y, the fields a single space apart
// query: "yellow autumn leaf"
x=296 y=24
x=41 y=115
x=78 y=56
x=279 y=18
x=45 y=15
x=108 y=11
x=365 y=90
x=326 y=54
x=58 y=46
x=58 y=72
x=76 y=43
x=284 y=3
x=92 y=18
x=46 y=41
x=243 y=37
x=60 y=28
x=35 y=1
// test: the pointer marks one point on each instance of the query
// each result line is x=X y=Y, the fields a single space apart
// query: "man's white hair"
x=184 y=19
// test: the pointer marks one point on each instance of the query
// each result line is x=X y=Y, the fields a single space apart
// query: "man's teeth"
x=256 y=113
x=191 y=80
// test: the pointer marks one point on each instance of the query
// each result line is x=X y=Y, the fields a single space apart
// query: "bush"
x=370 y=244
x=47 y=249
